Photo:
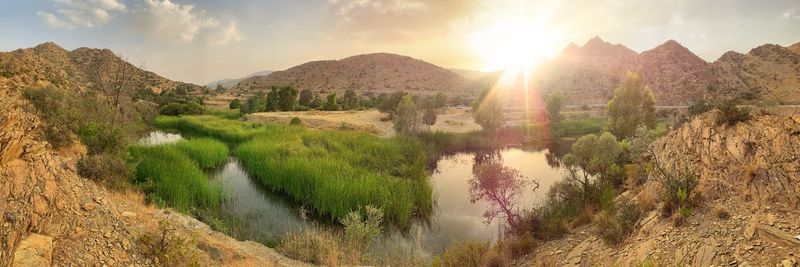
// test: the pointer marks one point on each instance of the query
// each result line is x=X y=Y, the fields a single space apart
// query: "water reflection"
x=501 y=188
x=263 y=215
x=159 y=137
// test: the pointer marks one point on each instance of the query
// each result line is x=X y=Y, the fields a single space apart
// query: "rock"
x=789 y=263
x=35 y=250
x=88 y=206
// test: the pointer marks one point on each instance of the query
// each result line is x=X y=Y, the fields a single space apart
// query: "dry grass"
x=166 y=247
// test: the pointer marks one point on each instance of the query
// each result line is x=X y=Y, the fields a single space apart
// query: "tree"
x=429 y=117
x=633 y=105
x=553 y=104
x=331 y=104
x=273 y=100
x=405 y=121
x=234 y=104
x=315 y=103
x=440 y=100
x=389 y=104
x=306 y=96
x=287 y=98
x=591 y=156
x=350 y=100
x=501 y=187
x=488 y=111
x=219 y=88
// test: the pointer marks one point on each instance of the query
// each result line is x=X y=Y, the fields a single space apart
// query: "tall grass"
x=340 y=171
x=170 y=177
x=206 y=152
x=227 y=130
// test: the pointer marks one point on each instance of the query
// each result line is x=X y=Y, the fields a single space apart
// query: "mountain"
x=76 y=69
x=228 y=83
x=376 y=73
x=589 y=74
x=769 y=72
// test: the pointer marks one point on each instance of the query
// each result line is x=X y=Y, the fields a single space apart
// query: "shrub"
x=100 y=139
x=464 y=254
x=175 y=108
x=699 y=107
x=60 y=111
x=615 y=224
x=295 y=121
x=107 y=168
x=168 y=248
x=730 y=114
x=633 y=104
x=234 y=104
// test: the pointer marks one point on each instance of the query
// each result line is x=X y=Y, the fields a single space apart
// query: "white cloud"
x=70 y=14
x=790 y=14
x=178 y=23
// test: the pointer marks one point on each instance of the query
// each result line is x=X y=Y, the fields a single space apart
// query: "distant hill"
x=228 y=83
x=376 y=73
x=76 y=69
x=589 y=74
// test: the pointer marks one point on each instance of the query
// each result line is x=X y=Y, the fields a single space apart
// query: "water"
x=265 y=216
x=159 y=137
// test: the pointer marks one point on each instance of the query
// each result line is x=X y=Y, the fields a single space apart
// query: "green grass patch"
x=227 y=130
x=579 y=126
x=335 y=172
x=170 y=177
x=206 y=152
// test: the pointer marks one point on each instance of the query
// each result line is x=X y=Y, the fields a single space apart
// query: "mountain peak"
x=49 y=47
x=795 y=47
x=595 y=41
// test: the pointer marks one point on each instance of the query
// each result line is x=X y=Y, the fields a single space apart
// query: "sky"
x=205 y=40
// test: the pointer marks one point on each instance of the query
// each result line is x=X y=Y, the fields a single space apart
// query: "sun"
x=514 y=44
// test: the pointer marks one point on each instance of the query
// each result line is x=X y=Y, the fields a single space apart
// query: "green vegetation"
x=406 y=120
x=168 y=176
x=227 y=130
x=553 y=104
x=578 y=126
x=295 y=121
x=175 y=108
x=206 y=152
x=234 y=104
x=488 y=111
x=633 y=104
x=730 y=113
x=336 y=172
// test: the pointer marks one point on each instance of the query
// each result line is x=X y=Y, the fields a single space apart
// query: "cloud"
x=396 y=20
x=165 y=20
x=790 y=14
x=71 y=14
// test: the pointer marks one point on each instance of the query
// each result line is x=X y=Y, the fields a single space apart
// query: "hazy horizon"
x=203 y=41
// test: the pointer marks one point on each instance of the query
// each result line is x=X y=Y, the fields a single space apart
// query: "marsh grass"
x=170 y=177
x=220 y=128
x=335 y=172
x=206 y=152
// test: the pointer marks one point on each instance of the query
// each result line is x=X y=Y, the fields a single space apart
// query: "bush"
x=730 y=114
x=61 y=112
x=295 y=121
x=234 y=104
x=100 y=139
x=464 y=254
x=107 y=168
x=168 y=248
x=699 y=107
x=616 y=224
x=175 y=108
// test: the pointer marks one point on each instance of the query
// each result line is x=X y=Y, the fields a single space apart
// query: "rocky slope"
x=77 y=68
x=589 y=74
x=51 y=215
x=377 y=73
x=751 y=171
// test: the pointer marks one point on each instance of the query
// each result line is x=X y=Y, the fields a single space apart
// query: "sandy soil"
x=449 y=120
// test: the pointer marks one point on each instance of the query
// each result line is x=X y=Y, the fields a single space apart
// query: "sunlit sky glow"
x=204 y=40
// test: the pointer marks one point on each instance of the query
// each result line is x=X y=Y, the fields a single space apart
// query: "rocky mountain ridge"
x=78 y=68
x=589 y=74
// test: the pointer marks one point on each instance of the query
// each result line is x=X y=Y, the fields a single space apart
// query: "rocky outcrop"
x=749 y=180
x=35 y=250
x=768 y=72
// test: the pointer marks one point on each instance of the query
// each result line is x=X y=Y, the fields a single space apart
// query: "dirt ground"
x=454 y=120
